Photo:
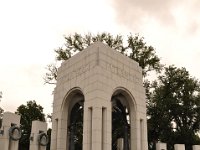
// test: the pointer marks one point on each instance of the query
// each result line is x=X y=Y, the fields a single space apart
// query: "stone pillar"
x=196 y=147
x=179 y=147
x=87 y=128
x=38 y=138
x=107 y=128
x=161 y=146
x=97 y=128
x=10 y=132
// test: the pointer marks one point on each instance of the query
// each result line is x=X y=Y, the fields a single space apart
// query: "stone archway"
x=123 y=117
x=75 y=124
x=72 y=113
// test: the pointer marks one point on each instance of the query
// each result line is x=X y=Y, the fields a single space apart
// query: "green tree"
x=174 y=109
x=29 y=112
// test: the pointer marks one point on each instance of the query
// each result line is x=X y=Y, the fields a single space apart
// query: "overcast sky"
x=30 y=30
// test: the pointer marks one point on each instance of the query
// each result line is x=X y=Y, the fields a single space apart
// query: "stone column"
x=10 y=126
x=87 y=128
x=107 y=127
x=97 y=128
x=161 y=146
x=38 y=139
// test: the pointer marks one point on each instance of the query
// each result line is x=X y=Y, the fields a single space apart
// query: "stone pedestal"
x=161 y=146
x=120 y=144
x=179 y=147
x=9 y=120
x=38 y=134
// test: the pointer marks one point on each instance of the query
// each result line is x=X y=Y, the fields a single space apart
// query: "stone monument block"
x=10 y=132
x=38 y=139
x=161 y=146
x=179 y=147
x=196 y=147
x=120 y=145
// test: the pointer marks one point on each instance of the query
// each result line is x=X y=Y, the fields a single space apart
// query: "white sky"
x=30 y=30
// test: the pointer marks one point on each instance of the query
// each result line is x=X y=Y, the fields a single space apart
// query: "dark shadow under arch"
x=74 y=105
x=121 y=118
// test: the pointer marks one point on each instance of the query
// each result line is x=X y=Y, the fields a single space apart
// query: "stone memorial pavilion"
x=92 y=86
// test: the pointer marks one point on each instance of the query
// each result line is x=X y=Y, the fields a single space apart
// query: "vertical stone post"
x=161 y=146
x=10 y=132
x=196 y=147
x=107 y=127
x=179 y=147
x=87 y=128
x=97 y=128
x=38 y=138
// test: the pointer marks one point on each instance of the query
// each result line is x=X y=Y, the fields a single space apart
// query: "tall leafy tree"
x=29 y=112
x=174 y=108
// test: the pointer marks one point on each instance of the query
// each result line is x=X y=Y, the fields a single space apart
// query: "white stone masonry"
x=179 y=147
x=196 y=147
x=98 y=73
x=38 y=138
x=10 y=120
x=161 y=146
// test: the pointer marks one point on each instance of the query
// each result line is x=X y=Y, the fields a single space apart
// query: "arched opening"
x=75 y=121
x=121 y=120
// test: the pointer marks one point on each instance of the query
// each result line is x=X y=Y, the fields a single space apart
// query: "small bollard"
x=196 y=147
x=161 y=146
x=179 y=147
x=120 y=144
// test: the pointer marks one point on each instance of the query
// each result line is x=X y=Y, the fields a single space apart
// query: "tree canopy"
x=135 y=48
x=29 y=112
x=174 y=108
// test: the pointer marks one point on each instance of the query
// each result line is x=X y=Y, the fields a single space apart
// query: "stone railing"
x=163 y=146
x=10 y=133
